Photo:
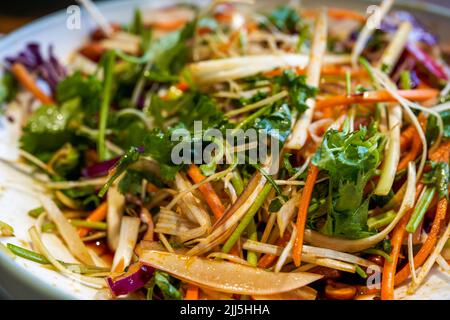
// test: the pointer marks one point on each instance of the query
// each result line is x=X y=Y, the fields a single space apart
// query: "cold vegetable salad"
x=346 y=198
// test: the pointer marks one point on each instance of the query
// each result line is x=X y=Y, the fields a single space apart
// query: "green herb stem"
x=246 y=220
x=252 y=234
x=237 y=182
x=109 y=59
x=420 y=209
x=378 y=252
x=381 y=220
x=36 y=212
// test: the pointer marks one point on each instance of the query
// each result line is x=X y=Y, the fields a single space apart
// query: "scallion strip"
x=39 y=258
x=27 y=254
x=381 y=220
x=247 y=218
x=237 y=182
x=252 y=234
x=97 y=225
x=36 y=212
x=378 y=252
x=420 y=209
x=108 y=65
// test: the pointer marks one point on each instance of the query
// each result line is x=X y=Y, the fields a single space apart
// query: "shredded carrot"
x=388 y=280
x=325 y=71
x=120 y=267
x=376 y=96
x=337 y=13
x=416 y=146
x=24 y=77
x=441 y=154
x=191 y=292
x=183 y=85
x=99 y=214
x=303 y=211
x=151 y=187
x=428 y=245
x=341 y=14
x=169 y=25
x=407 y=136
x=235 y=251
x=208 y=192
x=268 y=259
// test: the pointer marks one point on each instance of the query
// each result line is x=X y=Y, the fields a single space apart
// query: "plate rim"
x=41 y=288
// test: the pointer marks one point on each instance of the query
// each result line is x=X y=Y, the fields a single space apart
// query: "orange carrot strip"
x=388 y=279
x=169 y=25
x=182 y=85
x=407 y=136
x=342 y=14
x=99 y=214
x=267 y=260
x=428 y=245
x=25 y=78
x=336 y=13
x=416 y=146
x=303 y=211
x=211 y=197
x=441 y=154
x=191 y=292
x=375 y=96
x=325 y=71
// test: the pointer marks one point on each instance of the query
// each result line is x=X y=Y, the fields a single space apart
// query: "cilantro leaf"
x=285 y=18
x=163 y=282
x=276 y=124
x=438 y=177
x=350 y=159
x=48 y=128
x=8 y=88
x=298 y=90
x=87 y=89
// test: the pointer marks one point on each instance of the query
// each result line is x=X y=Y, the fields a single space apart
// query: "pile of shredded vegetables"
x=359 y=126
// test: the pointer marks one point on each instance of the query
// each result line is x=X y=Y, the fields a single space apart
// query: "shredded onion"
x=316 y=58
x=116 y=203
x=66 y=230
x=392 y=152
x=229 y=257
x=308 y=250
x=86 y=280
x=304 y=293
x=129 y=230
x=205 y=244
x=287 y=211
x=368 y=30
x=225 y=276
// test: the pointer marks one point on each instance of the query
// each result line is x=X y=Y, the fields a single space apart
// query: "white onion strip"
x=368 y=30
x=66 y=230
x=300 y=131
x=309 y=250
x=88 y=281
x=392 y=152
x=129 y=230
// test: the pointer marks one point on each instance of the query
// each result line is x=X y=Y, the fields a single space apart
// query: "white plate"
x=26 y=279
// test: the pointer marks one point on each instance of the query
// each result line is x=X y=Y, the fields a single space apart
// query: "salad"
x=223 y=152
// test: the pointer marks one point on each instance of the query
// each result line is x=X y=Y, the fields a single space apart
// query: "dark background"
x=15 y=13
